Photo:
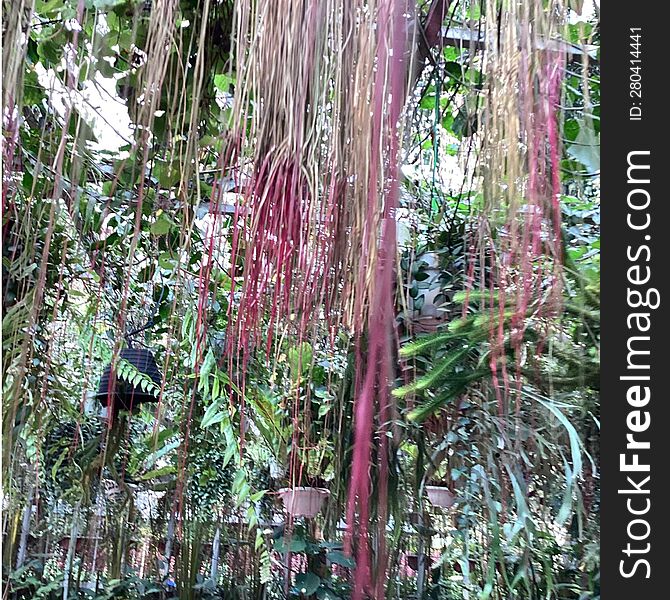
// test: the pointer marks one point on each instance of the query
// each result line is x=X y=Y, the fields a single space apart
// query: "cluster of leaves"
x=89 y=274
x=518 y=478
x=581 y=127
x=318 y=580
x=27 y=582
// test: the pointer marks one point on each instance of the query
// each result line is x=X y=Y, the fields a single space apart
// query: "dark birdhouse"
x=124 y=394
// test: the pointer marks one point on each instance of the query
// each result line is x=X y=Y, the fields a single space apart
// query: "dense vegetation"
x=361 y=241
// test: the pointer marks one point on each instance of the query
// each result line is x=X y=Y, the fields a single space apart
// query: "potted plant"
x=322 y=564
x=306 y=487
x=438 y=485
x=440 y=495
x=306 y=491
x=303 y=501
x=426 y=295
x=134 y=379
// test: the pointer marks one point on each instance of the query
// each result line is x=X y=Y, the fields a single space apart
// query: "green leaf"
x=340 y=558
x=162 y=225
x=230 y=453
x=50 y=51
x=456 y=388
x=166 y=261
x=586 y=148
x=168 y=174
x=61 y=458
x=296 y=544
x=571 y=129
x=222 y=82
x=307 y=583
x=430 y=378
x=425 y=342
x=205 y=370
x=428 y=101
x=454 y=70
x=212 y=415
x=103 y=4
x=522 y=511
x=299 y=359
x=107 y=188
x=575 y=441
x=154 y=456
x=256 y=497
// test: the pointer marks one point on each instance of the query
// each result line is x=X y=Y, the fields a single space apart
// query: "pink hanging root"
x=373 y=390
x=531 y=256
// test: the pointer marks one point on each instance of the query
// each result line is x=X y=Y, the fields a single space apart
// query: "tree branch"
x=428 y=35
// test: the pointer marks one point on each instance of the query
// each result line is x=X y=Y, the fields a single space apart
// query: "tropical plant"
x=361 y=240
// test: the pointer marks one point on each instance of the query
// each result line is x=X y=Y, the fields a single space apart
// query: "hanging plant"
x=440 y=496
x=135 y=379
x=303 y=501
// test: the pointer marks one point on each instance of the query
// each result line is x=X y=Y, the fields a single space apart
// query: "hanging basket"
x=303 y=501
x=439 y=496
x=125 y=395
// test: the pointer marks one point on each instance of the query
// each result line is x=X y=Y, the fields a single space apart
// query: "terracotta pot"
x=303 y=501
x=439 y=496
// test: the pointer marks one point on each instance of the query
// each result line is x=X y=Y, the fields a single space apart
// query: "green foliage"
x=101 y=240
x=129 y=373
x=318 y=578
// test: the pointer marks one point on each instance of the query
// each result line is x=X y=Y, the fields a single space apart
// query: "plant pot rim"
x=440 y=496
x=303 y=488
x=303 y=501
